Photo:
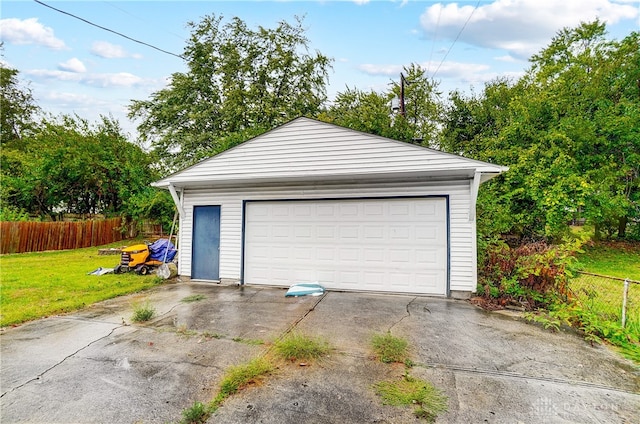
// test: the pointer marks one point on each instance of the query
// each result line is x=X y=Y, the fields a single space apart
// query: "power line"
x=435 y=37
x=110 y=30
x=141 y=19
x=457 y=36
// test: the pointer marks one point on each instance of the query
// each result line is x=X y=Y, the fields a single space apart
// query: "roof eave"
x=424 y=176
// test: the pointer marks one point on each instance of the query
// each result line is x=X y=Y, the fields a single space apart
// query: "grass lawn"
x=39 y=284
x=620 y=260
x=602 y=297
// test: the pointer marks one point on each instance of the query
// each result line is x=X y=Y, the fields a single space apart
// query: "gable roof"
x=307 y=150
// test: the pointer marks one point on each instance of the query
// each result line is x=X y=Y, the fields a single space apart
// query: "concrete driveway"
x=96 y=367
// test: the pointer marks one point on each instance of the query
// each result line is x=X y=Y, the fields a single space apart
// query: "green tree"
x=423 y=105
x=371 y=111
x=17 y=108
x=365 y=111
x=68 y=165
x=17 y=113
x=240 y=82
x=568 y=130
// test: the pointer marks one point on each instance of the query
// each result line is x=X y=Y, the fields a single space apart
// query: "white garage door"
x=393 y=245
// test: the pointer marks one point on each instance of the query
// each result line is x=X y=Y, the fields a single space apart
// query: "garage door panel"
x=349 y=254
x=279 y=231
x=428 y=257
x=396 y=245
x=373 y=255
x=304 y=253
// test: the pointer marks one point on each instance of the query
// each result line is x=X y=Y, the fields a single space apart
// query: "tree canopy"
x=240 y=82
x=68 y=165
x=371 y=111
x=570 y=132
x=17 y=106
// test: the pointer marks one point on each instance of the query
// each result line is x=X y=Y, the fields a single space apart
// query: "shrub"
x=532 y=275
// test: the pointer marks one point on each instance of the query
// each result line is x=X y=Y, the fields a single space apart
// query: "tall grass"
x=603 y=297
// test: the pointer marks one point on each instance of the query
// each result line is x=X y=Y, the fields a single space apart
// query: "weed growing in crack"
x=208 y=335
x=193 y=298
x=236 y=378
x=142 y=312
x=296 y=346
x=389 y=348
x=255 y=342
x=291 y=347
x=196 y=414
x=429 y=401
x=184 y=331
x=239 y=377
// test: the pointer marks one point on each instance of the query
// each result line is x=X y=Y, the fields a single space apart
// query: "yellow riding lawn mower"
x=142 y=258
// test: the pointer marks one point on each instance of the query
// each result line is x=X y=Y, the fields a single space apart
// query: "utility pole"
x=402 y=83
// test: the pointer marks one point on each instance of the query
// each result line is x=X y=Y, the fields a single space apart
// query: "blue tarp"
x=158 y=249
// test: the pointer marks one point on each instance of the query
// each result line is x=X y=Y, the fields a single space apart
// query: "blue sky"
x=73 y=67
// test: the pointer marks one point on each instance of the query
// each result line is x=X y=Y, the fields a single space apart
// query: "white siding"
x=308 y=149
x=462 y=231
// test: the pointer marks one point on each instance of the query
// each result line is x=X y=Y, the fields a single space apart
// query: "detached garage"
x=314 y=202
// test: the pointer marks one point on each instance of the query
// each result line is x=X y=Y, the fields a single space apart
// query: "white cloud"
x=445 y=69
x=111 y=51
x=377 y=70
x=121 y=79
x=72 y=65
x=506 y=58
x=360 y=2
x=521 y=27
x=448 y=71
x=65 y=100
x=29 y=31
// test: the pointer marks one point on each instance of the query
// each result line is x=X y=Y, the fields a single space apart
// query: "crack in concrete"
x=160 y=362
x=510 y=374
x=39 y=376
x=407 y=315
x=295 y=324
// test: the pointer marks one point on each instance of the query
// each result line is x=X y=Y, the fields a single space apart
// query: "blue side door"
x=205 y=256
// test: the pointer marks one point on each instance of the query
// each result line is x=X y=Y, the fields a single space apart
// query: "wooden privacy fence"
x=19 y=237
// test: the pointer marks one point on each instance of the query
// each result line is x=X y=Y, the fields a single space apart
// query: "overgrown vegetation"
x=143 y=312
x=592 y=324
x=235 y=378
x=292 y=347
x=196 y=414
x=254 y=342
x=300 y=347
x=389 y=348
x=427 y=399
x=39 y=284
x=537 y=277
x=193 y=298
x=530 y=276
